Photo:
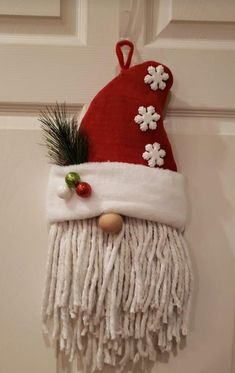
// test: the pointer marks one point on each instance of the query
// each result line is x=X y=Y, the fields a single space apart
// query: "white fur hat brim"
x=127 y=189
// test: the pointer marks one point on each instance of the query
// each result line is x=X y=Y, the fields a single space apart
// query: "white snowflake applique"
x=147 y=118
x=156 y=77
x=154 y=155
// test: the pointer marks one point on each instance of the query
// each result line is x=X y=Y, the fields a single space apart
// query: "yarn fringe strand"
x=111 y=299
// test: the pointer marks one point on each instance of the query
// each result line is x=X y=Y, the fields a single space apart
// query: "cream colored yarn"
x=111 y=299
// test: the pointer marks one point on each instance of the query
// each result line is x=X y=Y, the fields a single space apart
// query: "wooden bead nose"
x=110 y=222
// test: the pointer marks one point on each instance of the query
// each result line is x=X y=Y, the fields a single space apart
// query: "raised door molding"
x=61 y=23
x=196 y=40
x=55 y=60
x=30 y=8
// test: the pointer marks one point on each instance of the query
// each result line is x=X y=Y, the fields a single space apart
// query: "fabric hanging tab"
x=119 y=45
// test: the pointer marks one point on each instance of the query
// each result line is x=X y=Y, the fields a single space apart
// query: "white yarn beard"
x=111 y=299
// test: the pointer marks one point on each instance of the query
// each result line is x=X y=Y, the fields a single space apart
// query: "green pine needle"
x=66 y=144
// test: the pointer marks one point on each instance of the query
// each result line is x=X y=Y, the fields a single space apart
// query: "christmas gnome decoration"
x=118 y=279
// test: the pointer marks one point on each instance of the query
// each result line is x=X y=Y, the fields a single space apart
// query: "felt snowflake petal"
x=138 y=119
x=152 y=125
x=160 y=160
x=156 y=77
x=162 y=85
x=142 y=110
x=151 y=109
x=154 y=155
x=143 y=126
x=148 y=79
x=154 y=86
x=165 y=76
x=148 y=149
x=151 y=70
x=146 y=156
x=162 y=153
x=147 y=118
x=160 y=69
x=155 y=117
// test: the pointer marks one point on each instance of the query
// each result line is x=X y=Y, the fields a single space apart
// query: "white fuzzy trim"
x=128 y=189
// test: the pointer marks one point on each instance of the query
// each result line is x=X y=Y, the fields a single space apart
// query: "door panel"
x=43 y=59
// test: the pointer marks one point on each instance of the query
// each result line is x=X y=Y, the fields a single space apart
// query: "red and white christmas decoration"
x=119 y=278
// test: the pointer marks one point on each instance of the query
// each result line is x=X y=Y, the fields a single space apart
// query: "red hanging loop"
x=119 y=45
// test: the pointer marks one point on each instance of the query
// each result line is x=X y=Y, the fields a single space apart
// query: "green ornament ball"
x=72 y=179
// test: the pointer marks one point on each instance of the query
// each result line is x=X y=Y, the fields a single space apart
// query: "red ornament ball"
x=83 y=190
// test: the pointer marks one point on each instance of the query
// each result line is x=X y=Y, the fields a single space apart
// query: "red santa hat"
x=130 y=167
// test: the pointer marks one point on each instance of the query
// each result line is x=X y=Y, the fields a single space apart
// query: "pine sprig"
x=66 y=144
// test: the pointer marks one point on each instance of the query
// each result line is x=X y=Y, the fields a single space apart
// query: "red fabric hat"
x=126 y=116
x=130 y=167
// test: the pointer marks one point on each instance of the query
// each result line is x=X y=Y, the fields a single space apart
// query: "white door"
x=64 y=51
